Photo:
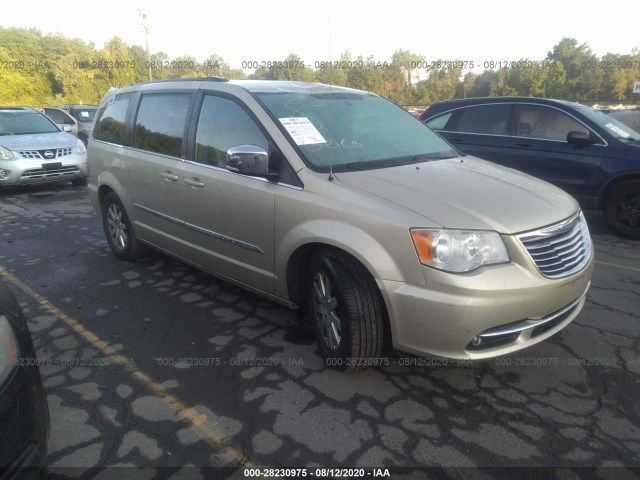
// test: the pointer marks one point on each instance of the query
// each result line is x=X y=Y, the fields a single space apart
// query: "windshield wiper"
x=628 y=139
x=358 y=165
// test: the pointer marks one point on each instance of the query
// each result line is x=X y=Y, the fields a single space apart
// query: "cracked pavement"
x=156 y=364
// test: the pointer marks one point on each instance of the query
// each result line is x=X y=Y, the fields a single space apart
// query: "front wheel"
x=346 y=308
x=622 y=209
x=117 y=228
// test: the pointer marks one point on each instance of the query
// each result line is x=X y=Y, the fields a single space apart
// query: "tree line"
x=37 y=69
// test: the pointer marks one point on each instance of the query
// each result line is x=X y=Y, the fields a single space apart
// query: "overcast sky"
x=256 y=30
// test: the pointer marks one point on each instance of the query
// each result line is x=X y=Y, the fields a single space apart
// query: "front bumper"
x=504 y=307
x=27 y=171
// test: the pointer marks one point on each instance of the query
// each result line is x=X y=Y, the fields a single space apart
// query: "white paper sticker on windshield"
x=302 y=130
x=84 y=114
x=617 y=130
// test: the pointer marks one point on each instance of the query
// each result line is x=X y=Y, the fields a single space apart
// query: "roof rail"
x=187 y=79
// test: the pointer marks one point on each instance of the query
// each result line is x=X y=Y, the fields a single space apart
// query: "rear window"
x=84 y=115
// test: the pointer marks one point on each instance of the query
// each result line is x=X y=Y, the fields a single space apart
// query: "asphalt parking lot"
x=156 y=364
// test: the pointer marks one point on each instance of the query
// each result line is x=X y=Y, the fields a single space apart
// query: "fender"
x=359 y=243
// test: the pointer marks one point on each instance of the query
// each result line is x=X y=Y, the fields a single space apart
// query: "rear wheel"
x=622 y=209
x=117 y=228
x=346 y=310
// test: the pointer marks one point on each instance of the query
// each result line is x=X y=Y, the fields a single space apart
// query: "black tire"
x=338 y=282
x=118 y=231
x=622 y=209
x=79 y=182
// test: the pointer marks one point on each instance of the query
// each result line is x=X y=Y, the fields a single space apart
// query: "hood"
x=38 y=141
x=467 y=193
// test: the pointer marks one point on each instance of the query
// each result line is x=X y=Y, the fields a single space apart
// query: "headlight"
x=80 y=148
x=8 y=349
x=5 y=154
x=458 y=250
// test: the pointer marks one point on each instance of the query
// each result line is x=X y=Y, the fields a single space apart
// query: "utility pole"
x=146 y=41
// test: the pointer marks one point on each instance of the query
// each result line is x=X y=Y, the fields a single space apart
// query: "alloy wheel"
x=325 y=308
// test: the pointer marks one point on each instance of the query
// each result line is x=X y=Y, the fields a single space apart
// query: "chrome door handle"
x=169 y=177
x=194 y=182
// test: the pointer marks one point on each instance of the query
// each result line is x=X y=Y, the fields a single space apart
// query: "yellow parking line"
x=616 y=265
x=197 y=420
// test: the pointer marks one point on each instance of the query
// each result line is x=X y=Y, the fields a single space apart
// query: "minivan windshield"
x=345 y=131
x=613 y=126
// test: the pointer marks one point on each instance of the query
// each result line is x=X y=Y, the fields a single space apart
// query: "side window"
x=54 y=115
x=160 y=123
x=545 y=123
x=110 y=125
x=484 y=119
x=224 y=124
x=439 y=122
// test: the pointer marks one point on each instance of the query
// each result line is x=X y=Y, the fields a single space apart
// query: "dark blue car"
x=587 y=153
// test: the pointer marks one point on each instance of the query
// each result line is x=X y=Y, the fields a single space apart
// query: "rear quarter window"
x=439 y=122
x=111 y=124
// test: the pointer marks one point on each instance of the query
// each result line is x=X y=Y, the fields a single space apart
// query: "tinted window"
x=224 y=124
x=482 y=119
x=160 y=123
x=110 y=126
x=545 y=123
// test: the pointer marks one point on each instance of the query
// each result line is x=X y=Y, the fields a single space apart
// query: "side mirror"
x=66 y=128
x=580 y=138
x=248 y=160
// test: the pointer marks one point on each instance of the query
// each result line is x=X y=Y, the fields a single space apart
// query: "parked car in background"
x=78 y=117
x=84 y=115
x=34 y=150
x=631 y=118
x=341 y=200
x=585 y=152
x=24 y=414
x=62 y=119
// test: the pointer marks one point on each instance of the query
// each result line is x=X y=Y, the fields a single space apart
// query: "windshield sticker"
x=617 y=130
x=84 y=114
x=302 y=130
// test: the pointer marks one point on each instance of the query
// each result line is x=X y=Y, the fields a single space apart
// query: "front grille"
x=561 y=249
x=47 y=154
x=36 y=173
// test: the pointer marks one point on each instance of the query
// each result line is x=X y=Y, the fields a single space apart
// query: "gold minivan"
x=339 y=200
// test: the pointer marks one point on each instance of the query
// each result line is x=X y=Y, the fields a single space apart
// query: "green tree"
x=364 y=75
x=406 y=62
x=441 y=83
x=115 y=65
x=583 y=75
x=291 y=68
